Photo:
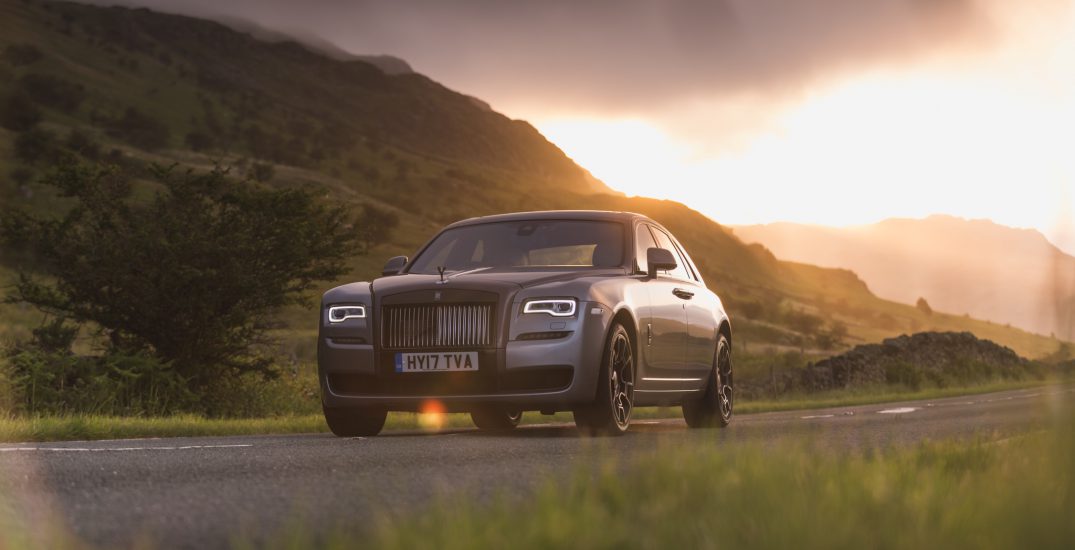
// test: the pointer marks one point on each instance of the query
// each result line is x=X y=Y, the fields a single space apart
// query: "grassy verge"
x=1009 y=494
x=60 y=428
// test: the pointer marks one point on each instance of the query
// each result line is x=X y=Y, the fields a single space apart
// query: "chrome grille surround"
x=437 y=326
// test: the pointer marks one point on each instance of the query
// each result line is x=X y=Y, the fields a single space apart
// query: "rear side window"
x=665 y=242
x=643 y=242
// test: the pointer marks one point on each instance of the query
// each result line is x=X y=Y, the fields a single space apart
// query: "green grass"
x=92 y=427
x=981 y=494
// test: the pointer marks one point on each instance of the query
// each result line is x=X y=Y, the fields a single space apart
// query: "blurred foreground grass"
x=1015 y=493
x=91 y=427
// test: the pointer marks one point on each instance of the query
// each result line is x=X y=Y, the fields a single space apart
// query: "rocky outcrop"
x=937 y=357
x=931 y=359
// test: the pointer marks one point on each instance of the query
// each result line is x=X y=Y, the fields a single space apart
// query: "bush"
x=198 y=141
x=52 y=91
x=83 y=144
x=376 y=225
x=48 y=379
x=262 y=172
x=22 y=54
x=36 y=145
x=138 y=129
x=19 y=113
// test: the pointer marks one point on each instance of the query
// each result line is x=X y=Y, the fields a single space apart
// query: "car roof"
x=595 y=215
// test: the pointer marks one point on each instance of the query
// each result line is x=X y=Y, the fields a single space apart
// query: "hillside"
x=990 y=271
x=130 y=87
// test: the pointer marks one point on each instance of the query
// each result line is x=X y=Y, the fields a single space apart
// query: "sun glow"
x=980 y=140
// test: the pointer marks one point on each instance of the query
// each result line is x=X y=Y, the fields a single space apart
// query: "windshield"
x=534 y=243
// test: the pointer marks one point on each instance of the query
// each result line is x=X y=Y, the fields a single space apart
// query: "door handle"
x=683 y=293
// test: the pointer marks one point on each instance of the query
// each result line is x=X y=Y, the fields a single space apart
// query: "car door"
x=702 y=323
x=667 y=331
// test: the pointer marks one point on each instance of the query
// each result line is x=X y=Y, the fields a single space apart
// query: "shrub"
x=36 y=145
x=376 y=225
x=19 y=113
x=52 y=91
x=198 y=141
x=138 y=129
x=48 y=379
x=22 y=54
x=262 y=172
x=83 y=144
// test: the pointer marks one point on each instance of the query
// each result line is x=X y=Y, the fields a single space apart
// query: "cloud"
x=624 y=56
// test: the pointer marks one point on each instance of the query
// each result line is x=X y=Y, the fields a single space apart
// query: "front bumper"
x=555 y=374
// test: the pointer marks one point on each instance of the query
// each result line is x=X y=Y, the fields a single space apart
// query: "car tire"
x=610 y=413
x=714 y=409
x=495 y=420
x=354 y=422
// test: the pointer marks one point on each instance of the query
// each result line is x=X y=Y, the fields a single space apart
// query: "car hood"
x=486 y=279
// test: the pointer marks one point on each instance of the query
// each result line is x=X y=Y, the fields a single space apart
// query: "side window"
x=643 y=242
x=664 y=241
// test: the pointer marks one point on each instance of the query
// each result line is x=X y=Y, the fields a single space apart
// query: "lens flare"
x=431 y=416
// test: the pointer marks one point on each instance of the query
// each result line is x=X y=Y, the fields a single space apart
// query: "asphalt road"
x=204 y=492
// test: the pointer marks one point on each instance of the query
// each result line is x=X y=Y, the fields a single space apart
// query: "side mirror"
x=659 y=259
x=394 y=266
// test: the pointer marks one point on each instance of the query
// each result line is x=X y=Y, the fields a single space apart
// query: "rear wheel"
x=355 y=422
x=610 y=413
x=495 y=420
x=714 y=409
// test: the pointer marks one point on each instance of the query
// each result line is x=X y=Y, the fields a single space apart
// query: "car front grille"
x=438 y=326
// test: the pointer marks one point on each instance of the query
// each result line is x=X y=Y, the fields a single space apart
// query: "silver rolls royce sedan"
x=591 y=312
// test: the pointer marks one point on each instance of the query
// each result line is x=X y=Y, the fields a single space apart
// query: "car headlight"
x=554 y=307
x=339 y=314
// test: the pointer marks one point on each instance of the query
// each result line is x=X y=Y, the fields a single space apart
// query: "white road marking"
x=900 y=410
x=115 y=449
x=817 y=416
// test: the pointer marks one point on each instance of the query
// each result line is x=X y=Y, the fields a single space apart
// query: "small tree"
x=923 y=306
x=21 y=54
x=19 y=113
x=376 y=225
x=262 y=171
x=36 y=145
x=192 y=276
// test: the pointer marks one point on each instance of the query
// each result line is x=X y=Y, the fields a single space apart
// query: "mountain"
x=132 y=87
x=978 y=267
x=388 y=64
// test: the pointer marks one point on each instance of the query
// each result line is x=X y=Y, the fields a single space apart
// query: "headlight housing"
x=557 y=307
x=339 y=314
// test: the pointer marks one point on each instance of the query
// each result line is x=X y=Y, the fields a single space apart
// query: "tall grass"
x=985 y=494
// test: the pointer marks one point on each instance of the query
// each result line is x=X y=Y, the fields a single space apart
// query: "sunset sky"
x=824 y=111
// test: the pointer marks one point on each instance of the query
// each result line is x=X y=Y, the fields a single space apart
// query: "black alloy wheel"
x=610 y=414
x=714 y=409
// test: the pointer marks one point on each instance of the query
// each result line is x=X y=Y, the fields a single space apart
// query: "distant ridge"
x=990 y=271
x=390 y=65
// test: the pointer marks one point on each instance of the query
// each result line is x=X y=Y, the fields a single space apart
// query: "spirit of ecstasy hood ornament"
x=440 y=269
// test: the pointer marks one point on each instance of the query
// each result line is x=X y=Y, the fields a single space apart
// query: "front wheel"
x=355 y=422
x=714 y=409
x=610 y=413
x=496 y=420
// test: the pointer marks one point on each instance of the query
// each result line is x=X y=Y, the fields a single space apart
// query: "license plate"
x=437 y=362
